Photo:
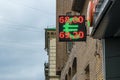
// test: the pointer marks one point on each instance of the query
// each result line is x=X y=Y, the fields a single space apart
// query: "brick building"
x=78 y=60
x=62 y=7
x=50 y=47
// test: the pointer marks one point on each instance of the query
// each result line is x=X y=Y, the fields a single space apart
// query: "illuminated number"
x=75 y=19
x=81 y=34
x=67 y=35
x=61 y=35
x=61 y=20
x=67 y=19
x=81 y=19
x=75 y=34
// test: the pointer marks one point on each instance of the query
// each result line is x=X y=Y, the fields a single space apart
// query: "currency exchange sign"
x=72 y=28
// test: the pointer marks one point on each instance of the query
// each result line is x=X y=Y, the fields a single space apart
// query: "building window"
x=87 y=73
x=69 y=74
x=74 y=67
x=48 y=33
x=66 y=77
x=52 y=33
x=55 y=33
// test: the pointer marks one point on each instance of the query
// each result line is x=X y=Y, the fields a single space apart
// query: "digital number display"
x=72 y=28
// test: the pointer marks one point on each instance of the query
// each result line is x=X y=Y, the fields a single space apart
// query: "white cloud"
x=31 y=72
x=22 y=24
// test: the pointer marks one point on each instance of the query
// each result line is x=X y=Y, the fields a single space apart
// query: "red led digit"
x=61 y=20
x=81 y=19
x=81 y=34
x=67 y=35
x=75 y=34
x=75 y=19
x=66 y=19
x=62 y=35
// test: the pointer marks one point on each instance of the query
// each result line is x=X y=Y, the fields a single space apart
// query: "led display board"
x=72 y=28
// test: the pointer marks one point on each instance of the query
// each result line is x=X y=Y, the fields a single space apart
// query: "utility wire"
x=27 y=26
x=36 y=9
x=14 y=23
x=22 y=27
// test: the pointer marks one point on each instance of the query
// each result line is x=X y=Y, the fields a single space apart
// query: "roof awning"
x=108 y=24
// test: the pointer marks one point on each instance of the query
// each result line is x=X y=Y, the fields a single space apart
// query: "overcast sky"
x=22 y=24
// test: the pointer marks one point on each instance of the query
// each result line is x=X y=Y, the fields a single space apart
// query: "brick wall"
x=88 y=53
x=62 y=7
